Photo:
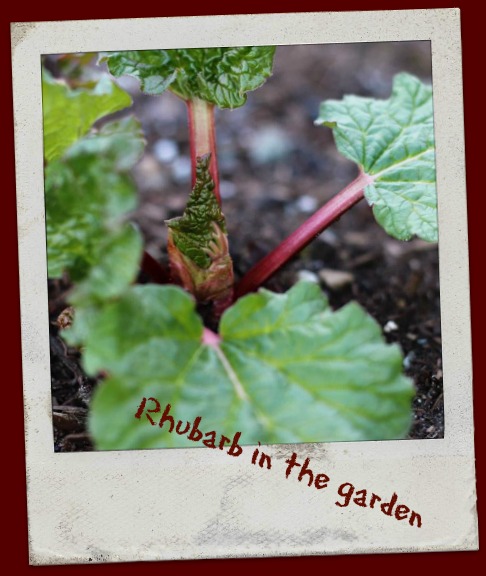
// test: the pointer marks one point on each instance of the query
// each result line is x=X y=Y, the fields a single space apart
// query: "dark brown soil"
x=276 y=168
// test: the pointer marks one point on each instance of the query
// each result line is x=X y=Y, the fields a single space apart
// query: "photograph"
x=242 y=246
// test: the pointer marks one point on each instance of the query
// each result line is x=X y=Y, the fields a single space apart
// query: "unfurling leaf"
x=221 y=76
x=287 y=369
x=197 y=243
x=393 y=142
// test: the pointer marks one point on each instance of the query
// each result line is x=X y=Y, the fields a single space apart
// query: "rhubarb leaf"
x=69 y=114
x=115 y=265
x=393 y=142
x=287 y=369
x=221 y=76
x=88 y=192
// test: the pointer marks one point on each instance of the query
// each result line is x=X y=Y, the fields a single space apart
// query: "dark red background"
x=14 y=511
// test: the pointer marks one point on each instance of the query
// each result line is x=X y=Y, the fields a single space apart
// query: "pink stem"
x=316 y=224
x=203 y=138
x=210 y=338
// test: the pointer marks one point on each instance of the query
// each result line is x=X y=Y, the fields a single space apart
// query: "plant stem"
x=210 y=338
x=311 y=228
x=203 y=138
x=156 y=271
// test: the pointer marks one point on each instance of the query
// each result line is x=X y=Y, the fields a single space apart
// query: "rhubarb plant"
x=279 y=367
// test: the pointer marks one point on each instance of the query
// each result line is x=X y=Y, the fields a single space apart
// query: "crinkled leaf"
x=392 y=141
x=194 y=231
x=221 y=76
x=197 y=242
x=288 y=369
x=88 y=192
x=69 y=114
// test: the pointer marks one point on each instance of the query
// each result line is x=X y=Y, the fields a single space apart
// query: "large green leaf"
x=221 y=76
x=69 y=114
x=392 y=141
x=287 y=369
x=88 y=193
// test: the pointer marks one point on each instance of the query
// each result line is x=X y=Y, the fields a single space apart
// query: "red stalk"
x=299 y=239
x=203 y=138
x=156 y=271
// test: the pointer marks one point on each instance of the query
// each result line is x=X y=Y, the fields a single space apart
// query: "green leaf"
x=392 y=141
x=221 y=76
x=121 y=141
x=88 y=193
x=69 y=114
x=117 y=261
x=287 y=369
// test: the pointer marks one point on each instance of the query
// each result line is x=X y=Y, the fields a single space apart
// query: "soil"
x=276 y=168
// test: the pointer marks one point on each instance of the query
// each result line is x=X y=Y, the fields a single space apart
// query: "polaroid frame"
x=188 y=503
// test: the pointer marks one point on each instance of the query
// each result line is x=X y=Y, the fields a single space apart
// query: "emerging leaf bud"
x=198 y=244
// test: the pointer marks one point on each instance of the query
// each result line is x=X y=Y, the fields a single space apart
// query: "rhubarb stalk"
x=203 y=138
x=314 y=226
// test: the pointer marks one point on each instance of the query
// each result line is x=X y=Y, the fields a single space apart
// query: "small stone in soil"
x=148 y=172
x=336 y=279
x=305 y=204
x=268 y=144
x=358 y=239
x=390 y=326
x=308 y=276
x=166 y=151
x=329 y=237
x=407 y=361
